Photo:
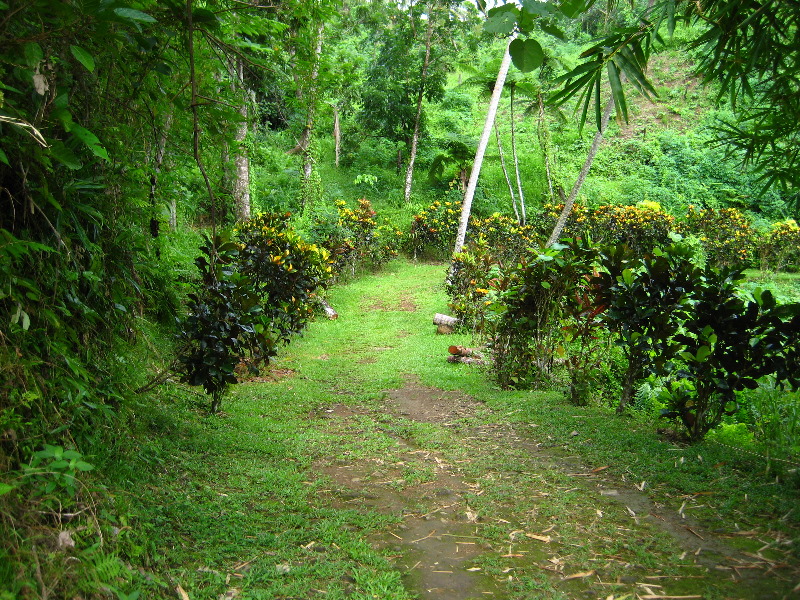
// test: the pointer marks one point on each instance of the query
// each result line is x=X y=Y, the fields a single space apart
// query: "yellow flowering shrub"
x=780 y=248
x=726 y=234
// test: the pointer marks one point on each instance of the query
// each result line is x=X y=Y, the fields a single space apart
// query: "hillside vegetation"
x=187 y=187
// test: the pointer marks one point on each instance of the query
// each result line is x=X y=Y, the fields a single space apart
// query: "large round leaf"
x=526 y=55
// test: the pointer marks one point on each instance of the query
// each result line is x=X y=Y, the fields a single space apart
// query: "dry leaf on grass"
x=182 y=593
x=542 y=538
x=580 y=575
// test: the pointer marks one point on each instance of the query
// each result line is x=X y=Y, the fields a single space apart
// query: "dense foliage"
x=134 y=135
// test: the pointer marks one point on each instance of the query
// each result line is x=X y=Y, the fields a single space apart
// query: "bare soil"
x=437 y=544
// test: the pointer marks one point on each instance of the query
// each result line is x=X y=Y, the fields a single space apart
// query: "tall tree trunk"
x=521 y=218
x=544 y=143
x=415 y=138
x=505 y=171
x=241 y=182
x=598 y=137
x=337 y=133
x=466 y=207
x=158 y=160
x=304 y=142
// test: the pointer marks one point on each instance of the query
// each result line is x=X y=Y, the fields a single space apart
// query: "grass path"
x=366 y=466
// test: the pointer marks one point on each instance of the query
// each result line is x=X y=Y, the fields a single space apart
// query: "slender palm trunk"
x=543 y=135
x=337 y=134
x=505 y=171
x=598 y=137
x=415 y=138
x=466 y=206
x=521 y=218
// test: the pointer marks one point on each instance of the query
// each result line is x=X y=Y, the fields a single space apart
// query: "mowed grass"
x=231 y=504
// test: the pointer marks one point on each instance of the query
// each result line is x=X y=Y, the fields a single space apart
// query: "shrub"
x=730 y=343
x=726 y=234
x=253 y=295
x=642 y=227
x=284 y=271
x=529 y=302
x=433 y=230
x=780 y=249
x=353 y=237
x=646 y=299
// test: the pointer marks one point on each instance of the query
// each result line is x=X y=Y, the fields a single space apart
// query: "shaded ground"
x=439 y=539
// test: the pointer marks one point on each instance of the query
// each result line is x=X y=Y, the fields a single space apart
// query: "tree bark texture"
x=241 y=182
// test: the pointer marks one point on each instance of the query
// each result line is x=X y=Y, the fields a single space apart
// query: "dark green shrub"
x=524 y=324
x=220 y=325
x=645 y=300
x=253 y=295
x=730 y=344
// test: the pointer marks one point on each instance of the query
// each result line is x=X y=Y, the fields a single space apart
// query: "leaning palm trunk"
x=466 y=207
x=598 y=137
x=505 y=171
x=521 y=218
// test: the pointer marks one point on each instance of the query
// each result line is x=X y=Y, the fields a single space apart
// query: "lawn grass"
x=234 y=503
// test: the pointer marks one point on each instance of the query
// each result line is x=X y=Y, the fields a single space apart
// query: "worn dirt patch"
x=404 y=303
x=436 y=541
x=265 y=375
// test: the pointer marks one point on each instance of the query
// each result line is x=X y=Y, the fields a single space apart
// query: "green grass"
x=213 y=504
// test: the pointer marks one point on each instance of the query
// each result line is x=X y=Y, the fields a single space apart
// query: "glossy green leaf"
x=526 y=55
x=33 y=54
x=65 y=156
x=83 y=57
x=4 y=158
x=502 y=22
x=572 y=8
x=552 y=30
x=131 y=14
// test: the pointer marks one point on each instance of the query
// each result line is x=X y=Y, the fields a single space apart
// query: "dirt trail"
x=437 y=543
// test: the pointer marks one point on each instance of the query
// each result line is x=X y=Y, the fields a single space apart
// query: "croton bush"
x=354 y=237
x=256 y=290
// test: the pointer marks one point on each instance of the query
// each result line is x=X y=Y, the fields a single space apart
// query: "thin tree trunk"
x=158 y=160
x=304 y=142
x=543 y=142
x=415 y=139
x=466 y=207
x=241 y=182
x=196 y=127
x=505 y=171
x=598 y=137
x=516 y=165
x=337 y=133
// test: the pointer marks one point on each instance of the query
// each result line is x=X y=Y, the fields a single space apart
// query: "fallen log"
x=467 y=360
x=329 y=312
x=444 y=324
x=440 y=319
x=464 y=351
